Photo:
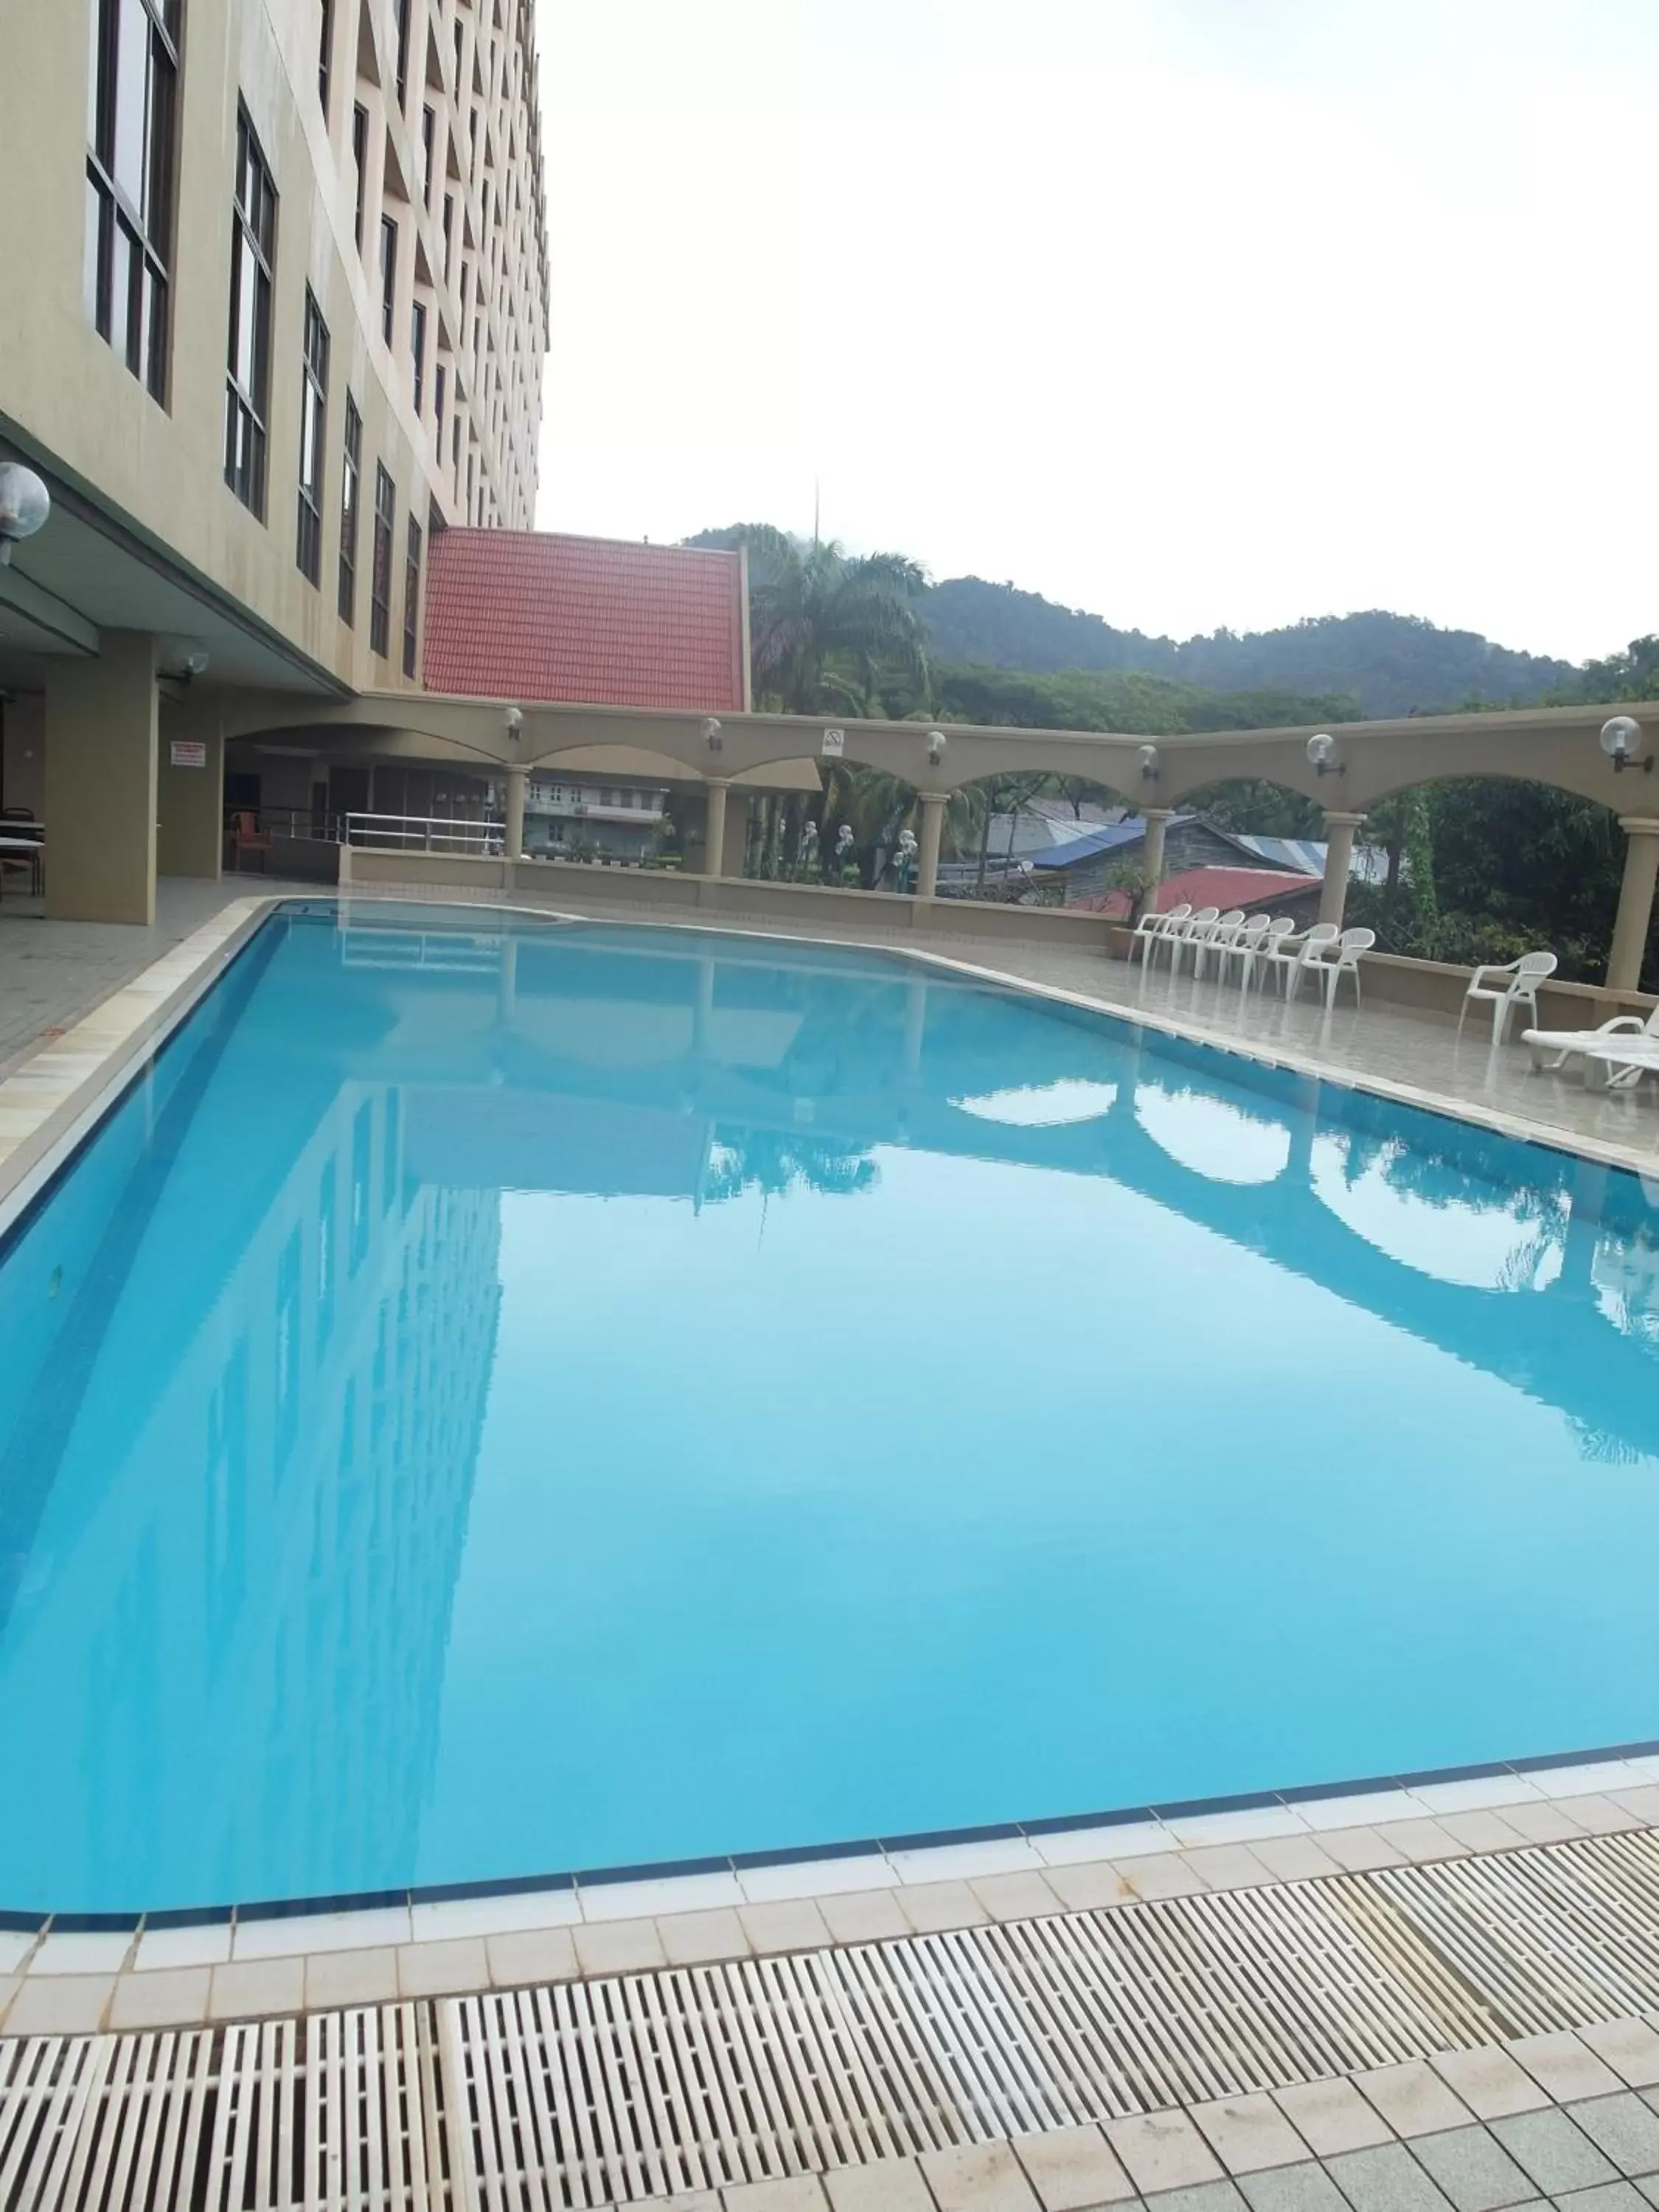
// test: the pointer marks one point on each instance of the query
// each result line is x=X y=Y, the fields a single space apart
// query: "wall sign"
x=187 y=752
x=834 y=743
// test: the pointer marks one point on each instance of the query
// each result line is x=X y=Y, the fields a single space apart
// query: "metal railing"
x=423 y=833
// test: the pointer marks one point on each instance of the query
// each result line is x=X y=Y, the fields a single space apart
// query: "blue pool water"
x=498 y=1398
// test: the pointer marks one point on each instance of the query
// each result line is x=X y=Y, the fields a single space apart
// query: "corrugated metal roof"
x=522 y=614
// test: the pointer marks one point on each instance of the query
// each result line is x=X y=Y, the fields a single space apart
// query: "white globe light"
x=1621 y=735
x=1147 y=755
x=711 y=730
x=1320 y=746
x=25 y=503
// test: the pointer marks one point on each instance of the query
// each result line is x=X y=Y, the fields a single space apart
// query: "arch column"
x=933 y=804
x=1630 y=930
x=1339 y=863
x=1158 y=820
x=512 y=833
x=714 y=833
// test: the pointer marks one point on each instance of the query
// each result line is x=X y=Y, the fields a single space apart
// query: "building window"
x=314 y=412
x=429 y=143
x=458 y=56
x=359 y=161
x=403 y=52
x=388 y=273
x=411 y=595
x=440 y=394
x=325 y=39
x=253 y=250
x=130 y=163
x=417 y=349
x=379 y=585
x=449 y=231
x=350 y=495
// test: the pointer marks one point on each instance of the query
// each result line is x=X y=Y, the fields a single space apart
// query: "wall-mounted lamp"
x=514 y=721
x=1620 y=736
x=25 y=503
x=935 y=747
x=1147 y=755
x=182 y=661
x=1321 y=749
x=713 y=736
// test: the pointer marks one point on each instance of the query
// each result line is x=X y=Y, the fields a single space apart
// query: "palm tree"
x=825 y=625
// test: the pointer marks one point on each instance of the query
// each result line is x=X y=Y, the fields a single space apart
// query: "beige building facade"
x=280 y=311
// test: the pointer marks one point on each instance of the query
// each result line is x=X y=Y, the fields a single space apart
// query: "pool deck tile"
x=1489 y=2082
x=1483 y=1794
x=16 y=1949
x=1483 y=1831
x=890 y=2185
x=60 y=2004
x=253 y=1989
x=1420 y=1840
x=448 y=1969
x=1360 y=1851
x=81 y=1954
x=1564 y=2066
x=618 y=1947
x=1168 y=1876
x=1092 y=1888
x=1227 y=1866
x=527 y=1955
x=1294 y=1858
x=1161 y=2151
x=932 y=1907
x=784 y=1925
x=177 y=1997
x=1386 y=2180
x=1332 y=2117
x=798 y=2192
x=338 y=1978
x=867 y=1916
x=1642 y=1801
x=978 y=2177
x=1362 y=1808
x=1473 y=2169
x=692 y=1939
x=816 y=1877
x=1073 y=2169
x=1015 y=1896
x=1247 y=2134
x=1629 y=2047
x=1556 y=2154
x=1622 y=2129
x=1306 y=2188
x=1412 y=2098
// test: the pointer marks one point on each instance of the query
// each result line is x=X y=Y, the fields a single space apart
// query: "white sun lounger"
x=1563 y=1045
x=1618 y=1063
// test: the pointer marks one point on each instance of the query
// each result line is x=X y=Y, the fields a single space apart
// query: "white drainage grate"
x=587 y=2093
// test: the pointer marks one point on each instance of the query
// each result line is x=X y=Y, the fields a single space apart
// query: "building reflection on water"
x=238 y=1483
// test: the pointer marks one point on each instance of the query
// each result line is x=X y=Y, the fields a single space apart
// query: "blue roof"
x=1130 y=831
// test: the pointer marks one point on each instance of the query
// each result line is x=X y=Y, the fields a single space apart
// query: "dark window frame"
x=253 y=260
x=388 y=275
x=131 y=188
x=313 y=430
x=379 y=581
x=402 y=55
x=325 y=39
x=411 y=595
x=360 y=158
x=352 y=500
x=417 y=353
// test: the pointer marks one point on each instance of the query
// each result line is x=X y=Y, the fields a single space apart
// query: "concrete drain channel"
x=595 y=2093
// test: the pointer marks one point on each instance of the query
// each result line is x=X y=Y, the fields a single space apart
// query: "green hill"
x=1388 y=664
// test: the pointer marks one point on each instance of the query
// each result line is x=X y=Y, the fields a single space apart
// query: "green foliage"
x=1390 y=664
x=827 y=629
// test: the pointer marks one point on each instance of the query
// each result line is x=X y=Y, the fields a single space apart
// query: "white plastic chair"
x=1297 y=954
x=1580 y=1044
x=1519 y=988
x=1194 y=933
x=1349 y=946
x=1177 y=924
x=1225 y=931
x=1149 y=928
x=1281 y=928
x=1243 y=944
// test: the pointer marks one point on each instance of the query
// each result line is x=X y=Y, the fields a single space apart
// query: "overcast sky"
x=1192 y=313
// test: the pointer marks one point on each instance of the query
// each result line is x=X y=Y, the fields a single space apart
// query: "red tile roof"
x=1258 y=891
x=522 y=614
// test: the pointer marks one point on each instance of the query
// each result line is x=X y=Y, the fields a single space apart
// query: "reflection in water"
x=416 y=1465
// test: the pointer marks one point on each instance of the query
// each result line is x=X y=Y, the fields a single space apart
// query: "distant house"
x=1258 y=891
x=1086 y=868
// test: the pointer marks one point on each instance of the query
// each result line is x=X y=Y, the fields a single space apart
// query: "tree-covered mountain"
x=1390 y=664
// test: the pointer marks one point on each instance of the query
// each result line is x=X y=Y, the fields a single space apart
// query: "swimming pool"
x=498 y=1397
